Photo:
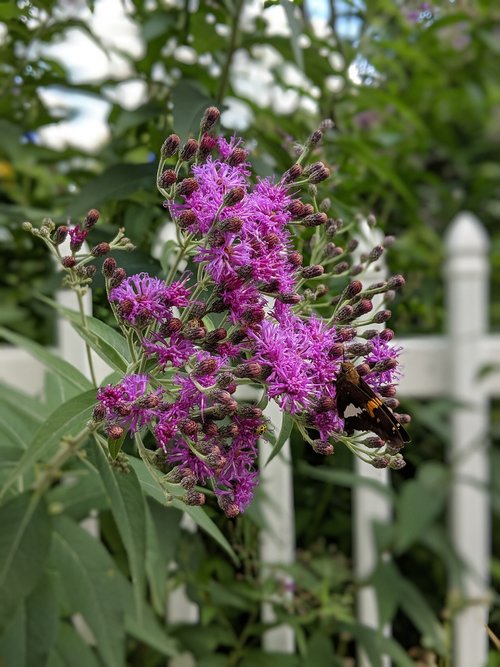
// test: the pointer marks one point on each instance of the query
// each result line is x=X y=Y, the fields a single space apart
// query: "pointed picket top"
x=466 y=236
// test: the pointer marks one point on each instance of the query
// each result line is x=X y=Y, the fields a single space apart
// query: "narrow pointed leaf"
x=286 y=429
x=24 y=545
x=49 y=359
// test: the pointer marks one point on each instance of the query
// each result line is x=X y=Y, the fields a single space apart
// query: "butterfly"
x=363 y=410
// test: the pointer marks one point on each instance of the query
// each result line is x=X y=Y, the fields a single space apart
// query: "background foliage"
x=415 y=97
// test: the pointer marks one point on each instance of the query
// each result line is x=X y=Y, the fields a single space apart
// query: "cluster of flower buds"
x=249 y=317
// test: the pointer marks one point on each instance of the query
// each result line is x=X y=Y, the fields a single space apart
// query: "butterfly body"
x=363 y=410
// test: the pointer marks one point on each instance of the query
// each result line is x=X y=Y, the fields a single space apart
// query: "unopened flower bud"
x=228 y=506
x=403 y=418
x=386 y=334
x=186 y=218
x=188 y=427
x=91 y=218
x=313 y=271
x=362 y=307
x=232 y=225
x=359 y=349
x=376 y=253
x=325 y=404
x=193 y=497
x=392 y=403
x=68 y=262
x=238 y=156
x=314 y=220
x=295 y=258
x=296 y=208
x=170 y=327
x=373 y=442
x=371 y=220
x=167 y=178
x=224 y=379
x=99 y=412
x=315 y=137
x=292 y=175
x=189 y=150
x=388 y=390
x=170 y=146
x=100 y=249
x=186 y=187
x=188 y=480
x=108 y=267
x=382 y=316
x=308 y=209
x=341 y=267
x=249 y=369
x=317 y=172
x=396 y=282
x=345 y=314
x=205 y=367
x=234 y=196
x=332 y=250
x=193 y=332
x=385 y=365
x=249 y=412
x=114 y=432
x=322 y=447
x=60 y=234
x=353 y=289
x=207 y=144
x=118 y=277
x=363 y=369
x=291 y=298
x=210 y=118
x=215 y=336
x=397 y=462
x=381 y=461
x=336 y=351
x=355 y=270
x=27 y=226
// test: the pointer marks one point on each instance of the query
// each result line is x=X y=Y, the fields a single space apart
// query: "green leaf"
x=286 y=429
x=93 y=587
x=117 y=182
x=344 y=478
x=115 y=446
x=24 y=545
x=296 y=31
x=15 y=427
x=71 y=651
x=156 y=566
x=151 y=632
x=78 y=496
x=42 y=620
x=67 y=419
x=128 y=508
x=167 y=257
x=189 y=104
x=198 y=514
x=31 y=408
x=110 y=345
x=48 y=359
x=428 y=493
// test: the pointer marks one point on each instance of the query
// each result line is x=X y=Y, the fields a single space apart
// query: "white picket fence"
x=447 y=365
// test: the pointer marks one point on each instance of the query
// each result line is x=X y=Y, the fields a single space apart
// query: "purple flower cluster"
x=249 y=318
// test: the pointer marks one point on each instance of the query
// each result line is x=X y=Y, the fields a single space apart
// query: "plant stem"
x=87 y=346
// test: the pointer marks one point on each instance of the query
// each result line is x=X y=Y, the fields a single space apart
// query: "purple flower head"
x=129 y=404
x=384 y=357
x=176 y=350
x=77 y=237
x=142 y=299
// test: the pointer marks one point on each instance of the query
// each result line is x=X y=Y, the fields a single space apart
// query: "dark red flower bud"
x=229 y=431
x=371 y=220
x=114 y=432
x=167 y=178
x=345 y=314
x=315 y=137
x=322 y=447
x=224 y=379
x=403 y=418
x=216 y=336
x=170 y=146
x=346 y=333
x=271 y=239
x=397 y=462
x=210 y=429
x=325 y=404
x=355 y=270
x=392 y=403
x=61 y=234
x=228 y=506
x=100 y=249
x=370 y=333
x=207 y=144
x=317 y=172
x=205 y=367
x=290 y=297
x=388 y=390
x=295 y=258
x=396 y=282
x=373 y=442
x=194 y=332
x=359 y=349
x=238 y=336
x=238 y=156
x=118 y=277
x=332 y=250
x=186 y=218
x=99 y=412
x=124 y=308
x=193 y=497
x=91 y=218
x=108 y=267
x=381 y=461
x=336 y=351
x=296 y=208
x=363 y=369
x=376 y=253
x=68 y=262
x=170 y=326
x=290 y=176
x=353 y=289
x=188 y=480
x=250 y=369
x=308 y=209
x=189 y=150
x=186 y=187
x=313 y=271
x=341 y=267
x=362 y=307
x=233 y=225
x=188 y=427
x=249 y=412
x=210 y=118
x=382 y=316
x=385 y=365
x=234 y=196
x=314 y=220
x=387 y=334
